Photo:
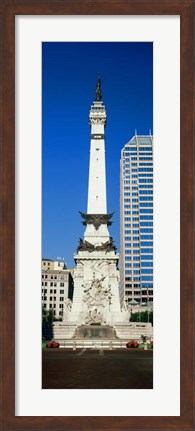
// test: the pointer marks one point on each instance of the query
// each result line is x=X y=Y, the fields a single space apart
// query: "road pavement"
x=97 y=369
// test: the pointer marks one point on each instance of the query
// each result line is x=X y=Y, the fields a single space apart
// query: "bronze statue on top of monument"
x=98 y=89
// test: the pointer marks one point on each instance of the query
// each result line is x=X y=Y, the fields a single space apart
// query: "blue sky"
x=69 y=76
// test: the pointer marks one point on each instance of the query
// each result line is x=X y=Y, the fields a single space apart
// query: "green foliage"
x=141 y=346
x=47 y=315
x=44 y=315
x=44 y=344
x=149 y=346
x=143 y=316
x=50 y=315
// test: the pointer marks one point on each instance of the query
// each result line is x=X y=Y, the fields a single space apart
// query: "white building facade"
x=136 y=220
x=57 y=287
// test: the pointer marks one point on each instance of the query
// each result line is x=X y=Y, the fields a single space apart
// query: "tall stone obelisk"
x=96 y=277
x=97 y=204
x=97 y=170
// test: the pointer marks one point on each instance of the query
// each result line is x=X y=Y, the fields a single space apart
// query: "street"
x=97 y=369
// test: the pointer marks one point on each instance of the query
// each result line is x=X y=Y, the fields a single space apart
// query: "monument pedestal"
x=96 y=280
x=97 y=332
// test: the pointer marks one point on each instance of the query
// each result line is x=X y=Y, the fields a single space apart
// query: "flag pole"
x=147 y=302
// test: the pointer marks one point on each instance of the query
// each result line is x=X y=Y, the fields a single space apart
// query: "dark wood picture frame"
x=9 y=9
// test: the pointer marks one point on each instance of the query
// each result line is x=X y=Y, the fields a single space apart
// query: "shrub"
x=44 y=344
x=141 y=346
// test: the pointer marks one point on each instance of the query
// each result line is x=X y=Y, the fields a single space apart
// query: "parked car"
x=52 y=344
x=132 y=344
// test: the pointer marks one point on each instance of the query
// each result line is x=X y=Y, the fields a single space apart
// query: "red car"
x=51 y=344
x=132 y=344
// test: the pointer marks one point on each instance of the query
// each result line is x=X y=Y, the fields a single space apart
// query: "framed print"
x=25 y=46
x=26 y=26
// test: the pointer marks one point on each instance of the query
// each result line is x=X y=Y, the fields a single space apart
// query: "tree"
x=50 y=315
x=143 y=316
x=47 y=315
x=44 y=315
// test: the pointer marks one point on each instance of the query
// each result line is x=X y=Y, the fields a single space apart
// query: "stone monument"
x=95 y=310
x=96 y=276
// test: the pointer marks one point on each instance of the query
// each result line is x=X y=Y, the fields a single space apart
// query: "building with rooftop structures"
x=57 y=286
x=52 y=264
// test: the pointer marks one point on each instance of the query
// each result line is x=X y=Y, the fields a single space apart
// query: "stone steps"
x=127 y=332
x=61 y=332
x=134 y=331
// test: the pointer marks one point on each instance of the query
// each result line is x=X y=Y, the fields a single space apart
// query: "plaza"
x=97 y=369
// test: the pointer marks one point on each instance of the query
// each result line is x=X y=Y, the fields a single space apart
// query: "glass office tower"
x=136 y=220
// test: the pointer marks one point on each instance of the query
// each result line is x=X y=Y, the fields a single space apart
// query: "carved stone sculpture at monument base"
x=96 y=280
